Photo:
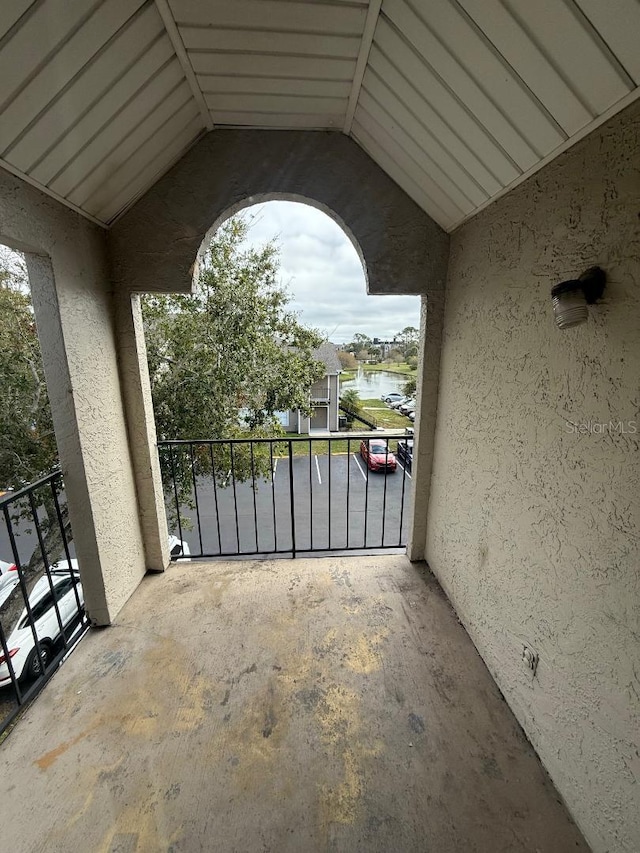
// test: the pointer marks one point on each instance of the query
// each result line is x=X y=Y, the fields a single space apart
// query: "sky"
x=322 y=271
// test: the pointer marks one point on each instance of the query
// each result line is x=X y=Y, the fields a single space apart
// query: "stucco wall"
x=74 y=313
x=533 y=527
x=153 y=247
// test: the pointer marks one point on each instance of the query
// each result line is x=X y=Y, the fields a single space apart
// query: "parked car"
x=66 y=593
x=376 y=454
x=393 y=397
x=405 y=452
x=407 y=407
x=178 y=547
x=6 y=567
x=399 y=403
x=412 y=416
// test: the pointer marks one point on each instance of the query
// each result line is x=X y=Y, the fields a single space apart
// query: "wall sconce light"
x=570 y=298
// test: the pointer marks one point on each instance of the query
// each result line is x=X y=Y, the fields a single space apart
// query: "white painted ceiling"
x=457 y=100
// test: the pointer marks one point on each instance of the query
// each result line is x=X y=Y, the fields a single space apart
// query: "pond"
x=375 y=383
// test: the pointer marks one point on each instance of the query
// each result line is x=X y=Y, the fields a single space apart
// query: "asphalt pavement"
x=335 y=502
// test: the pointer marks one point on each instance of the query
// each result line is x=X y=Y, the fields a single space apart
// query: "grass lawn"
x=386 y=417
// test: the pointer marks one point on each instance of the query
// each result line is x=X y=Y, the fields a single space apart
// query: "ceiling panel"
x=458 y=100
x=275 y=86
x=148 y=80
x=529 y=60
x=272 y=15
x=406 y=104
x=619 y=28
x=260 y=41
x=56 y=75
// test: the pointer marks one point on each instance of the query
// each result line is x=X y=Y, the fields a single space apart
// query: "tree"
x=225 y=360
x=350 y=400
x=360 y=342
x=409 y=388
x=408 y=339
x=27 y=442
x=348 y=360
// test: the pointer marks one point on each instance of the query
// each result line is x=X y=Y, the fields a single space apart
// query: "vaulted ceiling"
x=457 y=100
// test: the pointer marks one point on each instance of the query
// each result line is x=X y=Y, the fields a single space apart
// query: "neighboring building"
x=324 y=396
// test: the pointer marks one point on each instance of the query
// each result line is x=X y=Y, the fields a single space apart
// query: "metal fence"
x=41 y=600
x=286 y=496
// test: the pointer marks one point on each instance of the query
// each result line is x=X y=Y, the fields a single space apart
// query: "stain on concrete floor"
x=330 y=704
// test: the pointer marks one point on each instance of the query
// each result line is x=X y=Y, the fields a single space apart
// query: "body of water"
x=375 y=383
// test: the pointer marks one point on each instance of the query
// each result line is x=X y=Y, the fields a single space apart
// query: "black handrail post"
x=292 y=505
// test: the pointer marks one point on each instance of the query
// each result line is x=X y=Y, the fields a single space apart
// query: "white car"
x=65 y=590
x=178 y=547
x=6 y=567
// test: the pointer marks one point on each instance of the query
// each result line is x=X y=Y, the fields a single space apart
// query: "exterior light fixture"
x=570 y=298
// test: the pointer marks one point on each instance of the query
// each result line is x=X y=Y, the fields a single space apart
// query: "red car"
x=377 y=455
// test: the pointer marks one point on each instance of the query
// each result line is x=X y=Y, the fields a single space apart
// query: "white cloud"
x=322 y=270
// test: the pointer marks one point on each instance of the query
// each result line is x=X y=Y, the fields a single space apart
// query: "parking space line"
x=355 y=459
x=318 y=467
x=275 y=467
x=405 y=470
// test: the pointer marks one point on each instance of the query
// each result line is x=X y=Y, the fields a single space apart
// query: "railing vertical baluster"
x=384 y=494
x=67 y=552
x=292 y=506
x=404 y=480
x=310 y=497
x=215 y=495
x=23 y=586
x=175 y=491
x=366 y=498
x=273 y=499
x=329 y=493
x=45 y=561
x=12 y=675
x=235 y=496
x=253 y=488
x=348 y=483
x=195 y=496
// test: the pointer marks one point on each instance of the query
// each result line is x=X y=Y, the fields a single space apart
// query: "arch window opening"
x=279 y=340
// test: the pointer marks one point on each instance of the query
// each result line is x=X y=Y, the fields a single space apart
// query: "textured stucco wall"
x=534 y=529
x=153 y=247
x=74 y=312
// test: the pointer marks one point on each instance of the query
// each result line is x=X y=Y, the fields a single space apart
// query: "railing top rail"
x=25 y=490
x=285 y=438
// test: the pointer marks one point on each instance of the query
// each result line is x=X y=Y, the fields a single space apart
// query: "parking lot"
x=335 y=503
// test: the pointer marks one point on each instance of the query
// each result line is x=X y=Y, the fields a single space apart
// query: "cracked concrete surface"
x=331 y=704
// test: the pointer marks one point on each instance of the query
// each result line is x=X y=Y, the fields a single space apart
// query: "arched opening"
x=349 y=437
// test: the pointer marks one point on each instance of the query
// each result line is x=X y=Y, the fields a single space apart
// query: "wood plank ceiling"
x=457 y=100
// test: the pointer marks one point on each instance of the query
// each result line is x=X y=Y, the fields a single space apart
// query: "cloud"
x=322 y=271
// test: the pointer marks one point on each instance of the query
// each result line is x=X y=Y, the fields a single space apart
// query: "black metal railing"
x=285 y=496
x=41 y=600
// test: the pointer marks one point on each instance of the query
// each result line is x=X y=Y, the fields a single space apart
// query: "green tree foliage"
x=348 y=360
x=409 y=388
x=408 y=339
x=226 y=359
x=350 y=399
x=27 y=443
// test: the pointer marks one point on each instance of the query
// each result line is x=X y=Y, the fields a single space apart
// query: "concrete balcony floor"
x=311 y=705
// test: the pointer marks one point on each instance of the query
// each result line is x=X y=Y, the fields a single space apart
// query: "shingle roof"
x=327 y=353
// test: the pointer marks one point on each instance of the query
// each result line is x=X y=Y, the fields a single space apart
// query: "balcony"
x=315 y=704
